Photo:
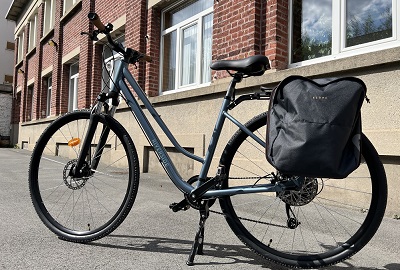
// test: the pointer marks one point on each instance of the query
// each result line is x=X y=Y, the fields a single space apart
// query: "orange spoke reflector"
x=74 y=142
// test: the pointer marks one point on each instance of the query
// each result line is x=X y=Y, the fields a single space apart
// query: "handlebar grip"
x=147 y=58
x=96 y=21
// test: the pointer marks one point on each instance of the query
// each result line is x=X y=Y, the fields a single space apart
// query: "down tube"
x=154 y=140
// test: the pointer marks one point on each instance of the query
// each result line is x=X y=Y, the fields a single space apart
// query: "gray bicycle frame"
x=121 y=73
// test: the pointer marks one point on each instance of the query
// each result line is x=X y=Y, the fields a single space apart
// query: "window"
x=109 y=58
x=368 y=21
x=49 y=14
x=20 y=52
x=48 y=96
x=186 y=45
x=29 y=102
x=68 y=4
x=341 y=28
x=73 y=87
x=32 y=33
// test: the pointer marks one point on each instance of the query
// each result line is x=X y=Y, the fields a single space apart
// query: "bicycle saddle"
x=251 y=66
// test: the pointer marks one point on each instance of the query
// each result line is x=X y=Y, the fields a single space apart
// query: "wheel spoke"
x=318 y=220
x=85 y=205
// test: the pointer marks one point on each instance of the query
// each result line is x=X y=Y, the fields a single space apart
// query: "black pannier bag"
x=314 y=126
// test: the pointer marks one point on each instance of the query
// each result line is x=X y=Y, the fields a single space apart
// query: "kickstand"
x=197 y=247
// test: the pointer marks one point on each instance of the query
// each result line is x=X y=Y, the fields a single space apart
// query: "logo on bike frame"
x=160 y=152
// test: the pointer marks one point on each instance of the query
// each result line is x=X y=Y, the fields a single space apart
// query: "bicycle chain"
x=245 y=219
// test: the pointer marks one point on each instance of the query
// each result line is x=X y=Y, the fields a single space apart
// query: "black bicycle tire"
x=130 y=150
x=361 y=237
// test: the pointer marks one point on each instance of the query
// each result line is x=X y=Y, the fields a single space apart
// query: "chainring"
x=196 y=203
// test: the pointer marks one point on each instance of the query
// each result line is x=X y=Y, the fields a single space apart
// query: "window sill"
x=19 y=63
x=273 y=77
x=47 y=36
x=31 y=52
x=71 y=11
x=48 y=119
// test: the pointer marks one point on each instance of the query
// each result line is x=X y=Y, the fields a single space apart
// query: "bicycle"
x=84 y=176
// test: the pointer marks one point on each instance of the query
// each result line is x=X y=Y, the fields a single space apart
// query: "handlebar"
x=94 y=18
x=132 y=55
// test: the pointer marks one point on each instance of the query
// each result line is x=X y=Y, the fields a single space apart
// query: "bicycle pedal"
x=181 y=206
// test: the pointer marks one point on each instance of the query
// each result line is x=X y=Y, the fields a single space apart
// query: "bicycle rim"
x=327 y=222
x=87 y=208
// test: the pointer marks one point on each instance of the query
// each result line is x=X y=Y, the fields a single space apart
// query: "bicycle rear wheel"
x=90 y=207
x=322 y=224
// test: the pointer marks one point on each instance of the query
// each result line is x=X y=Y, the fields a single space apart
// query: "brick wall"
x=153 y=50
x=71 y=31
x=277 y=27
x=236 y=32
x=107 y=14
x=241 y=28
x=47 y=56
x=135 y=34
x=25 y=97
x=31 y=63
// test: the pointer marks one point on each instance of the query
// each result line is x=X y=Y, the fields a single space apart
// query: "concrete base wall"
x=191 y=116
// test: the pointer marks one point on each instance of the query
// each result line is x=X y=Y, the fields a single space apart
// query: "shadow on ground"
x=223 y=254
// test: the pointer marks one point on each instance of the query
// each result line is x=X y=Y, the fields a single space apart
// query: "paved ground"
x=152 y=237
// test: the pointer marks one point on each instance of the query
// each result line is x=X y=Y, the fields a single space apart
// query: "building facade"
x=6 y=75
x=58 y=70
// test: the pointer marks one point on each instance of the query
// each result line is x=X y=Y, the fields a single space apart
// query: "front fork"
x=88 y=161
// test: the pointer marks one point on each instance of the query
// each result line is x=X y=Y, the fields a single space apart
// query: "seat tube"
x=218 y=127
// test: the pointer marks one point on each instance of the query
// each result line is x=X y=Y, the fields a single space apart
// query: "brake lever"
x=92 y=36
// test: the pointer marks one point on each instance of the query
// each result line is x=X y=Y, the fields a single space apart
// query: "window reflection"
x=312 y=29
x=368 y=21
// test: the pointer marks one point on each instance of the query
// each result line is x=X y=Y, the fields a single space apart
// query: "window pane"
x=48 y=98
x=67 y=5
x=21 y=47
x=30 y=100
x=183 y=12
x=207 y=47
x=53 y=13
x=169 y=66
x=368 y=21
x=73 y=87
x=74 y=69
x=47 y=16
x=32 y=33
x=189 y=55
x=312 y=29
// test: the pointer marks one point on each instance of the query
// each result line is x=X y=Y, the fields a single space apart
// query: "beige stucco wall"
x=191 y=115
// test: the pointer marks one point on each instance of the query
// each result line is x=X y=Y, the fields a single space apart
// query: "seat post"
x=230 y=94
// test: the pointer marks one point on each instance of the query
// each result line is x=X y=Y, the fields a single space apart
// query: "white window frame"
x=68 y=4
x=32 y=32
x=196 y=19
x=49 y=16
x=73 y=89
x=339 y=49
x=48 y=96
x=20 y=52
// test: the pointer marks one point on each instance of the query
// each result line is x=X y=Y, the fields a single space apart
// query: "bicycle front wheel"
x=323 y=223
x=83 y=209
